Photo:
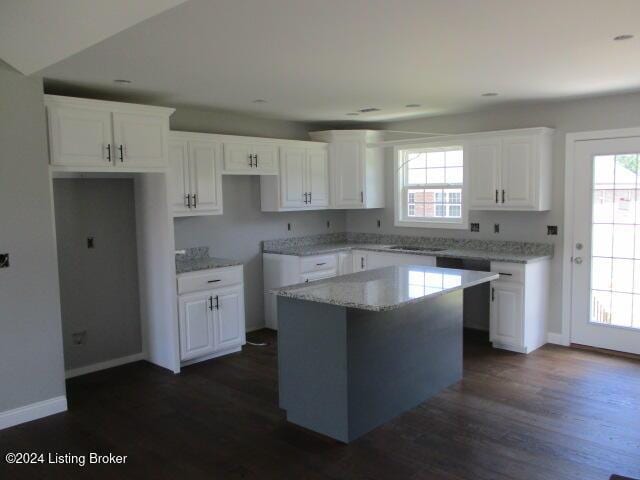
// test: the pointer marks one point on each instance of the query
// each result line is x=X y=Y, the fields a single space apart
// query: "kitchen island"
x=357 y=350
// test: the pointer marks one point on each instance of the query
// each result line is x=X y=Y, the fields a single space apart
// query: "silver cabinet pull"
x=502 y=196
x=213 y=281
x=188 y=197
x=496 y=195
x=121 y=148
x=195 y=200
x=108 y=152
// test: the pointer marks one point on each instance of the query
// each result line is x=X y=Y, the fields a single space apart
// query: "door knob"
x=578 y=260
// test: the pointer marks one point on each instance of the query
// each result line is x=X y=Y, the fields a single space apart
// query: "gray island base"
x=357 y=350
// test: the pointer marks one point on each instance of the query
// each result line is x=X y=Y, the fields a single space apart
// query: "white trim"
x=221 y=353
x=95 y=367
x=564 y=338
x=557 y=339
x=33 y=411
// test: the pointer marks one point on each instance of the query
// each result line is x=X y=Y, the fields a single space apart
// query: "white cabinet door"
x=205 y=180
x=518 y=172
x=345 y=263
x=293 y=192
x=80 y=137
x=179 y=177
x=359 y=261
x=238 y=158
x=197 y=336
x=484 y=165
x=318 y=177
x=229 y=317
x=139 y=140
x=507 y=320
x=348 y=174
x=266 y=159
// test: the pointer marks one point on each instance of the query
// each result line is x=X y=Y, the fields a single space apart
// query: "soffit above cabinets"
x=37 y=33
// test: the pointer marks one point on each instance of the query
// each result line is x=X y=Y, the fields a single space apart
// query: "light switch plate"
x=475 y=227
x=4 y=260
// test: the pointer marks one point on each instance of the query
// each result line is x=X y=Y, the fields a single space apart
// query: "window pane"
x=603 y=206
x=622 y=275
x=621 y=305
x=624 y=206
x=626 y=169
x=417 y=176
x=454 y=175
x=417 y=160
x=623 y=241
x=454 y=158
x=455 y=211
x=435 y=159
x=601 y=273
x=603 y=170
x=435 y=175
x=602 y=241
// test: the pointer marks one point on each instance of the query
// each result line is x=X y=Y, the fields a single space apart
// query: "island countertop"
x=386 y=288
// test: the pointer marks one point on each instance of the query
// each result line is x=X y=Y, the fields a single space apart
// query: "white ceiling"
x=317 y=60
x=37 y=33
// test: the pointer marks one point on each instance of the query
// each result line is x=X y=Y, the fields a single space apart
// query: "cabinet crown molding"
x=61 y=100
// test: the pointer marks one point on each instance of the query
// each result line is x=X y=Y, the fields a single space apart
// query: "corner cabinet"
x=249 y=156
x=195 y=180
x=211 y=320
x=356 y=166
x=94 y=135
x=511 y=170
x=302 y=182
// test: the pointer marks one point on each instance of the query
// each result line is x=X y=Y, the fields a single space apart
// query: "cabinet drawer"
x=209 y=279
x=509 y=272
x=317 y=263
x=312 y=277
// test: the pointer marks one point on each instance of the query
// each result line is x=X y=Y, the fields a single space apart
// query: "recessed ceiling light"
x=122 y=81
x=353 y=114
x=412 y=105
x=369 y=109
x=259 y=100
x=490 y=94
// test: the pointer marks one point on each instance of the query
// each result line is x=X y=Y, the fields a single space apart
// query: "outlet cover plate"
x=4 y=260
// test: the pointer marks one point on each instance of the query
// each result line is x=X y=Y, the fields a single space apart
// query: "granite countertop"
x=492 y=254
x=195 y=259
x=386 y=288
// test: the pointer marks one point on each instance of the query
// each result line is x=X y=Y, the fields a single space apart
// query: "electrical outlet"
x=91 y=242
x=552 y=229
x=79 y=338
x=4 y=260
x=288 y=227
x=475 y=227
x=496 y=228
x=379 y=223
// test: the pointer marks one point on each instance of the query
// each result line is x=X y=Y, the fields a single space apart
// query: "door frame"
x=564 y=338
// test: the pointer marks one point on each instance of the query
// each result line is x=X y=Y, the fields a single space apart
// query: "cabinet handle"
x=493 y=294
x=362 y=262
x=502 y=196
x=305 y=198
x=108 y=152
x=361 y=197
x=195 y=200
x=212 y=281
x=507 y=274
x=320 y=264
x=211 y=303
x=217 y=303
x=121 y=148
x=309 y=197
x=255 y=157
x=250 y=160
x=188 y=197
x=496 y=195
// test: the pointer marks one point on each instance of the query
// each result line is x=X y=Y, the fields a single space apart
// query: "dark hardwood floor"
x=558 y=413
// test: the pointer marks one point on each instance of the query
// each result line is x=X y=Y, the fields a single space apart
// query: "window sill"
x=430 y=224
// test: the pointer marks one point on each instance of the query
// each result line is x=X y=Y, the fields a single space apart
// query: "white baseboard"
x=557 y=339
x=213 y=355
x=95 y=367
x=32 y=411
x=253 y=329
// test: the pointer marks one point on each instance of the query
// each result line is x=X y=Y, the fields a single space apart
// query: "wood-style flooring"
x=557 y=413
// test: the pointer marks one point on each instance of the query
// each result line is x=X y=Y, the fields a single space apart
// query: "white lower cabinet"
x=211 y=320
x=369 y=260
x=519 y=306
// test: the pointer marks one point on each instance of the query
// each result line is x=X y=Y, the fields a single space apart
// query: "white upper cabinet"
x=302 y=182
x=249 y=158
x=356 y=167
x=195 y=181
x=93 y=135
x=511 y=170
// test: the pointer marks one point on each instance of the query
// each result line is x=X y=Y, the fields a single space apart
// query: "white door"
x=80 y=137
x=229 y=317
x=197 y=336
x=292 y=178
x=348 y=176
x=318 y=177
x=206 y=194
x=518 y=172
x=266 y=159
x=605 y=309
x=179 y=177
x=484 y=165
x=238 y=158
x=139 y=140
x=506 y=313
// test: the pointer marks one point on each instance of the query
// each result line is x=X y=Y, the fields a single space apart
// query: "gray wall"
x=99 y=286
x=238 y=232
x=608 y=112
x=31 y=363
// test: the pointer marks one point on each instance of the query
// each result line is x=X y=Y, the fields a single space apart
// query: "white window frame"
x=401 y=218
